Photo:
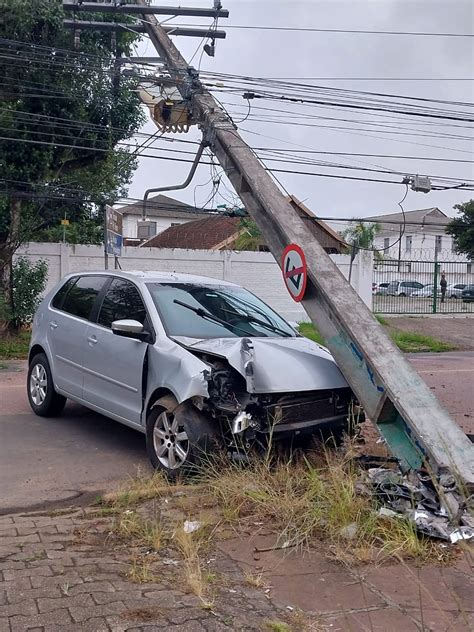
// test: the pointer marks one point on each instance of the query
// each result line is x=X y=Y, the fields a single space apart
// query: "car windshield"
x=215 y=311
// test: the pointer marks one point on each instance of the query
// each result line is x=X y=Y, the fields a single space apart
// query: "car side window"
x=82 y=295
x=61 y=293
x=122 y=301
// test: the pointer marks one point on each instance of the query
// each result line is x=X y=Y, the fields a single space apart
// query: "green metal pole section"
x=435 y=281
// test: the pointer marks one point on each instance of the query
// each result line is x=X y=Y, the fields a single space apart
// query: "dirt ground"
x=456 y=330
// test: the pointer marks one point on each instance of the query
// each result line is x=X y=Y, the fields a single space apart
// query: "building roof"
x=422 y=216
x=208 y=233
x=216 y=232
x=161 y=206
x=331 y=237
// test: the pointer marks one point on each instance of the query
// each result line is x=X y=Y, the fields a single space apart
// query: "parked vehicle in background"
x=425 y=292
x=379 y=288
x=454 y=290
x=403 y=288
x=468 y=294
x=191 y=362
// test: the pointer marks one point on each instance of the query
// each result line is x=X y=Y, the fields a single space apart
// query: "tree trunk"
x=7 y=250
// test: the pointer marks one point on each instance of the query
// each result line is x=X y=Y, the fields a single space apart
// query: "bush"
x=29 y=282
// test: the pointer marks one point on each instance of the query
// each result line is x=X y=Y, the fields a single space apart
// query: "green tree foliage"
x=362 y=234
x=29 y=282
x=87 y=231
x=462 y=229
x=250 y=237
x=63 y=111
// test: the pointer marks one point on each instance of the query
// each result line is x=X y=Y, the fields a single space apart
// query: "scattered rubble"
x=418 y=495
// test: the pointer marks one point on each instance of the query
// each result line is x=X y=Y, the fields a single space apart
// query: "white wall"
x=257 y=271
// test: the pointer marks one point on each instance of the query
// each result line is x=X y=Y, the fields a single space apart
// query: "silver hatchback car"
x=190 y=361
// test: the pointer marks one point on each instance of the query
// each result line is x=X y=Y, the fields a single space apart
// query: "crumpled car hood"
x=275 y=365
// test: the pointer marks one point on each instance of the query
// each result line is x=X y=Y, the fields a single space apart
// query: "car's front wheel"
x=43 y=399
x=178 y=438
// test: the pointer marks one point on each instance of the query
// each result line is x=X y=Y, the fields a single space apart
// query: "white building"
x=410 y=246
x=419 y=235
x=161 y=213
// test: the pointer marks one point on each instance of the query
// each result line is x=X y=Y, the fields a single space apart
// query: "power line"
x=320 y=30
x=271 y=170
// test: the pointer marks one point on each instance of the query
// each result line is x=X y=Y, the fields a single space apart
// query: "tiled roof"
x=208 y=233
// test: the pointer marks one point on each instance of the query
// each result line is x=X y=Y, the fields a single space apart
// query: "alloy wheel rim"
x=170 y=441
x=38 y=384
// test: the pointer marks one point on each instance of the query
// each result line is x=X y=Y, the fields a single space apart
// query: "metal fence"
x=413 y=287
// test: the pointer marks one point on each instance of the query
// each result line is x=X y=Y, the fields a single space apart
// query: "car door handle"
x=92 y=340
x=53 y=324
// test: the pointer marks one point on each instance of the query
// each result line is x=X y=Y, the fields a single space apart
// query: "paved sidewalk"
x=61 y=573
x=66 y=572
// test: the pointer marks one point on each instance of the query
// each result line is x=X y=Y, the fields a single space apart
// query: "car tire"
x=179 y=439
x=402 y=294
x=44 y=400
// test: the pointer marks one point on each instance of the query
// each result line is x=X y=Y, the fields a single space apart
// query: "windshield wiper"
x=203 y=314
x=252 y=319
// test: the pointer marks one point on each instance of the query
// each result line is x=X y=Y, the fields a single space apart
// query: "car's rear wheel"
x=43 y=399
x=179 y=438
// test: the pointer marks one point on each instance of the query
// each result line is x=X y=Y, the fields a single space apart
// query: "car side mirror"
x=129 y=328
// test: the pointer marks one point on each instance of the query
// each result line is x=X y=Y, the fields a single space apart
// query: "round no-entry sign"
x=294 y=271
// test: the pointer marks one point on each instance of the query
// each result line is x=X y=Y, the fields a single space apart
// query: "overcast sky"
x=310 y=54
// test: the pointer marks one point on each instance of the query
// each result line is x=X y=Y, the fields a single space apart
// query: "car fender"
x=40 y=338
x=173 y=369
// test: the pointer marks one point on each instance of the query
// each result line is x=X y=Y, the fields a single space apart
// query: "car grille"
x=320 y=405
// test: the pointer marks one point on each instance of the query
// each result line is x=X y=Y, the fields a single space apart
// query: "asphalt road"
x=77 y=456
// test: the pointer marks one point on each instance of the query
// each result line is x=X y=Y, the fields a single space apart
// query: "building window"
x=469 y=268
x=386 y=243
x=438 y=243
x=453 y=245
x=408 y=243
x=145 y=230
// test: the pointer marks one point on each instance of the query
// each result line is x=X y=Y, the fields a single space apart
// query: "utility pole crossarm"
x=87 y=25
x=417 y=429
x=104 y=7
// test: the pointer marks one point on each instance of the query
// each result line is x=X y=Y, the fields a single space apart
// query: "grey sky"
x=287 y=54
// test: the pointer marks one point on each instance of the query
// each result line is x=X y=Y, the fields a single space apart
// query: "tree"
x=362 y=234
x=63 y=112
x=461 y=228
x=250 y=238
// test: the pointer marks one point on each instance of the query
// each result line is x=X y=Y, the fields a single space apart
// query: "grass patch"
x=15 y=347
x=412 y=342
x=277 y=626
x=130 y=525
x=383 y=321
x=406 y=341
x=314 y=497
x=140 y=571
x=191 y=547
x=135 y=490
x=308 y=330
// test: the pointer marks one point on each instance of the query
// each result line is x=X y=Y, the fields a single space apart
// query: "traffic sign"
x=295 y=273
x=113 y=227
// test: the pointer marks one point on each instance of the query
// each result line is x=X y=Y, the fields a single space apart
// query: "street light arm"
x=194 y=166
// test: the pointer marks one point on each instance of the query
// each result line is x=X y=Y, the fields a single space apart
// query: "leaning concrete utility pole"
x=416 y=428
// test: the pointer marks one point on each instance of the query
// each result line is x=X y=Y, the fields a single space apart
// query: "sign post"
x=295 y=272
x=113 y=234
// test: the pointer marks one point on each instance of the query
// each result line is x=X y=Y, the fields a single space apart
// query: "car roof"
x=154 y=276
